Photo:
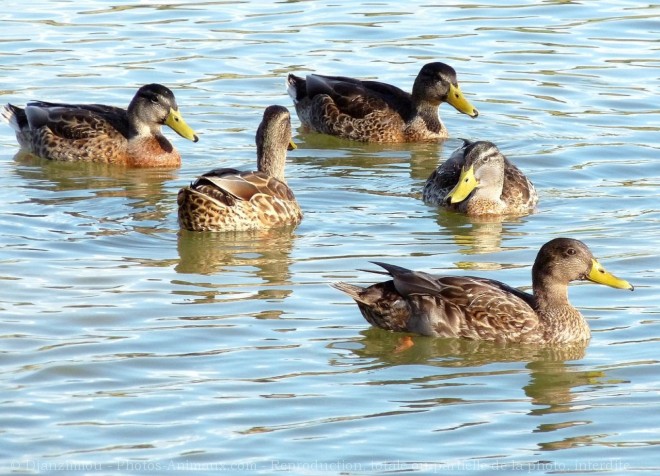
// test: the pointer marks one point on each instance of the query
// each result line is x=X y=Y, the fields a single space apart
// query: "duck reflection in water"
x=145 y=190
x=555 y=374
x=261 y=255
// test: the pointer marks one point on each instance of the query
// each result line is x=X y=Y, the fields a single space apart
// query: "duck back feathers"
x=373 y=111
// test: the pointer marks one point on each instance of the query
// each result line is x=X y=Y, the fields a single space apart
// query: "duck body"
x=478 y=180
x=227 y=199
x=372 y=111
x=231 y=200
x=100 y=133
x=485 y=309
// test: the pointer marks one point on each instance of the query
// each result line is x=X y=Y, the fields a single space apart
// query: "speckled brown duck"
x=486 y=309
x=371 y=111
x=478 y=180
x=230 y=200
x=99 y=133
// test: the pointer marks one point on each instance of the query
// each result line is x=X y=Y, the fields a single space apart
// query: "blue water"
x=128 y=347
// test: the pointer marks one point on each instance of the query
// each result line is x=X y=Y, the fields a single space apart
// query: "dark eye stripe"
x=491 y=153
x=480 y=152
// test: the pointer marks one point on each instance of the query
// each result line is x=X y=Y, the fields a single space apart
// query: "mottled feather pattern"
x=381 y=305
x=448 y=306
x=79 y=122
x=100 y=133
x=518 y=190
x=379 y=124
x=259 y=202
x=366 y=118
x=485 y=309
x=372 y=111
x=230 y=200
x=79 y=138
x=517 y=195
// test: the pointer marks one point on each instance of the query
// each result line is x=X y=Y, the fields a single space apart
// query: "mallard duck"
x=478 y=180
x=371 y=111
x=228 y=199
x=485 y=309
x=98 y=133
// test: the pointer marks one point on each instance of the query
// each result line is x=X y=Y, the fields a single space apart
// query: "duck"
x=226 y=199
x=372 y=111
x=479 y=180
x=485 y=309
x=99 y=133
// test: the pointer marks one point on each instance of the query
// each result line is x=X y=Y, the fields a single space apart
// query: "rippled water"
x=128 y=347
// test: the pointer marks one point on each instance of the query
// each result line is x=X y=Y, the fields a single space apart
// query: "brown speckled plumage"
x=228 y=199
x=371 y=111
x=485 y=309
x=501 y=188
x=99 y=133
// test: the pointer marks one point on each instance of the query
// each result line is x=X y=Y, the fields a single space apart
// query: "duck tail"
x=14 y=116
x=296 y=87
x=350 y=289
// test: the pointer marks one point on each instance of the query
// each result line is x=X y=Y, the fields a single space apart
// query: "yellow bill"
x=599 y=275
x=292 y=145
x=466 y=183
x=455 y=98
x=178 y=125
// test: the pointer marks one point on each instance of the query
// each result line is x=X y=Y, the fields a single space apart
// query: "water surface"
x=130 y=347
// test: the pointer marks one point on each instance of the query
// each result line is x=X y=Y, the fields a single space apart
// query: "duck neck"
x=428 y=112
x=271 y=160
x=550 y=294
x=137 y=128
x=491 y=192
x=561 y=321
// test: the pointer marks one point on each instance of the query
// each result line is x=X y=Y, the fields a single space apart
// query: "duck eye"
x=570 y=251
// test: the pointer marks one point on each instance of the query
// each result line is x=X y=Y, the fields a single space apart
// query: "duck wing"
x=219 y=183
x=100 y=109
x=463 y=306
x=517 y=188
x=359 y=98
x=77 y=121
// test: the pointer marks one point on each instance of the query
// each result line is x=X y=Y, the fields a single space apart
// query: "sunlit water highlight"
x=128 y=347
